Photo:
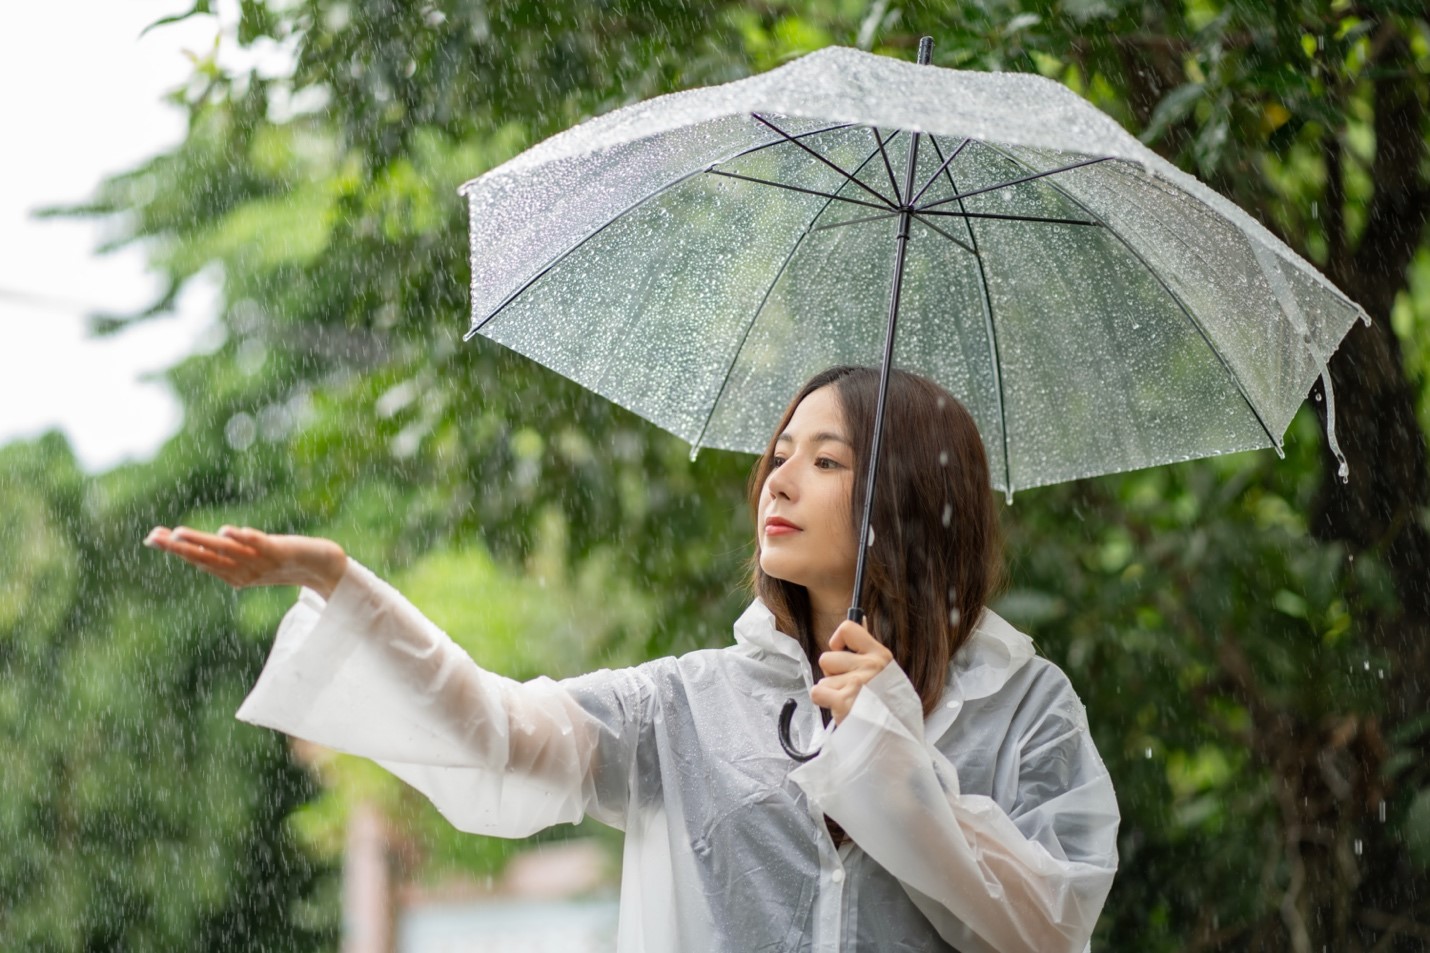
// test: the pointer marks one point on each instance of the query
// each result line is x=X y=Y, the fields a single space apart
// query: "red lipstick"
x=779 y=526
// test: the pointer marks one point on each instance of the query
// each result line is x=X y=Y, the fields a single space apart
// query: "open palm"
x=242 y=557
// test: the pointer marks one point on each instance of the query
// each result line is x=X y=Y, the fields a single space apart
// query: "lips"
x=779 y=526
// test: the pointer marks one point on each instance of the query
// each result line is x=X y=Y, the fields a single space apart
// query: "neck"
x=827 y=609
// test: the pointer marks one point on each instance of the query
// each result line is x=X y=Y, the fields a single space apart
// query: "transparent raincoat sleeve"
x=1033 y=878
x=368 y=674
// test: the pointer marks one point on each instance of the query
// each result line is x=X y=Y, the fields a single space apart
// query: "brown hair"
x=937 y=555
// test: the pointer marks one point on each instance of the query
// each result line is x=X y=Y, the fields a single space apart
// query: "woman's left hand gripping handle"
x=248 y=557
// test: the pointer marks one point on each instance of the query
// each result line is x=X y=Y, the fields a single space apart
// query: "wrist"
x=327 y=571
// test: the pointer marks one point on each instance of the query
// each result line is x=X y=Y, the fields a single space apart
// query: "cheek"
x=838 y=517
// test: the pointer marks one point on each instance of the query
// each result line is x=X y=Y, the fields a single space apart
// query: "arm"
x=1031 y=882
x=364 y=671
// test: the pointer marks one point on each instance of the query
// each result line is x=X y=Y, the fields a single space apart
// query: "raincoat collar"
x=991 y=656
x=984 y=665
x=756 y=628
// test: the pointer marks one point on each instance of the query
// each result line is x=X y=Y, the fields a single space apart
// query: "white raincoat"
x=990 y=825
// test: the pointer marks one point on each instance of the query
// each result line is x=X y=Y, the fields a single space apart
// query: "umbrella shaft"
x=901 y=243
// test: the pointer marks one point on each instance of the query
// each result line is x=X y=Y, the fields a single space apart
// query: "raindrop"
x=871 y=537
x=953 y=616
x=947 y=514
x=1318 y=398
x=942 y=455
x=1149 y=754
x=1366 y=663
x=1360 y=847
x=1382 y=811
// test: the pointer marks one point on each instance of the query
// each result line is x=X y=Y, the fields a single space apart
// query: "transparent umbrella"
x=695 y=257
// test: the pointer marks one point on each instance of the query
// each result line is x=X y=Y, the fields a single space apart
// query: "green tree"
x=123 y=826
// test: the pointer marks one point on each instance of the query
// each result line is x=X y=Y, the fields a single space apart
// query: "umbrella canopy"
x=694 y=257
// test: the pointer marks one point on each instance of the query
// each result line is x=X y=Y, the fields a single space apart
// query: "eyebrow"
x=821 y=437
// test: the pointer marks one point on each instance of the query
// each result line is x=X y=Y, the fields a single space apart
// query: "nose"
x=780 y=483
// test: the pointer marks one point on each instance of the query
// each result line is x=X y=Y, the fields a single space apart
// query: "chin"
x=777 y=568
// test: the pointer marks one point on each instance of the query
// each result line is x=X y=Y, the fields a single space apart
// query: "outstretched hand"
x=249 y=557
x=854 y=657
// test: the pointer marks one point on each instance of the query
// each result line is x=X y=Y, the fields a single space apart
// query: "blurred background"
x=271 y=337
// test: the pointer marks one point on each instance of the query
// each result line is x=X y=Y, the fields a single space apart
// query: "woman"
x=957 y=801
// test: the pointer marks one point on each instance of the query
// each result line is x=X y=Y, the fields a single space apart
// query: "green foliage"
x=124 y=826
x=1245 y=669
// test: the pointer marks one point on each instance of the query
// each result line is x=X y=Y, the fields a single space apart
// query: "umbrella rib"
x=990 y=331
x=786 y=138
x=941 y=169
x=888 y=169
x=1013 y=218
x=848 y=176
x=1176 y=298
x=541 y=272
x=1013 y=182
x=795 y=188
x=779 y=273
x=927 y=224
x=854 y=221
x=477 y=327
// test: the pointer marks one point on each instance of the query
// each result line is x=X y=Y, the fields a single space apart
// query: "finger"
x=219 y=544
x=205 y=559
x=837 y=694
x=255 y=539
x=839 y=663
x=853 y=637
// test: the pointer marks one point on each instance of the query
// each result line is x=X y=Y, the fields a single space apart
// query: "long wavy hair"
x=937 y=554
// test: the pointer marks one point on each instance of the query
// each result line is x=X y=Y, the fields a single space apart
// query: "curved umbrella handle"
x=786 y=718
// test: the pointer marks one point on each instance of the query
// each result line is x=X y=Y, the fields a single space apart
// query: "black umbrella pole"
x=901 y=242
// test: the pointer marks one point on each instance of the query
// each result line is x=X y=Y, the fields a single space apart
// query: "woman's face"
x=806 y=532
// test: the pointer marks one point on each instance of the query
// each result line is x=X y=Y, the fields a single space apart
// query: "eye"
x=827 y=463
x=776 y=460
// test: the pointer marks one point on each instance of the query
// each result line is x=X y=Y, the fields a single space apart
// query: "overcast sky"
x=82 y=98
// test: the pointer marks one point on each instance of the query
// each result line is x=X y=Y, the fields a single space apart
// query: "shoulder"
x=1007 y=682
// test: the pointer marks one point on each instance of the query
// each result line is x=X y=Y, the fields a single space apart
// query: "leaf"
x=199 y=7
x=1173 y=108
x=1021 y=22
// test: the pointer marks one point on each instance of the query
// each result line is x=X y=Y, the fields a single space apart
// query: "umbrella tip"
x=925 y=50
